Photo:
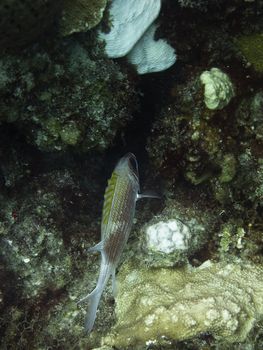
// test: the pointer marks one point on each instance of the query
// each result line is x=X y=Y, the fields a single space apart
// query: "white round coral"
x=167 y=237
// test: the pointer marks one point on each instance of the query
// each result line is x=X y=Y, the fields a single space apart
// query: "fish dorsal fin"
x=108 y=198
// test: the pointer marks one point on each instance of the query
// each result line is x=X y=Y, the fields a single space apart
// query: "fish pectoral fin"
x=97 y=248
x=148 y=194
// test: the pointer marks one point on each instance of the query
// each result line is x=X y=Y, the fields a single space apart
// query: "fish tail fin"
x=93 y=300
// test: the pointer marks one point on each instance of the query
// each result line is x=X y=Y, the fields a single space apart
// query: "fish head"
x=128 y=166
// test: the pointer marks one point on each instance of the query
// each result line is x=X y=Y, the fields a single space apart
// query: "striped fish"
x=120 y=198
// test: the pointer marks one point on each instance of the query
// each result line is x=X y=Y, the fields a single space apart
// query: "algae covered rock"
x=251 y=47
x=33 y=245
x=191 y=140
x=41 y=231
x=231 y=237
x=81 y=15
x=65 y=97
x=249 y=115
x=222 y=299
x=228 y=168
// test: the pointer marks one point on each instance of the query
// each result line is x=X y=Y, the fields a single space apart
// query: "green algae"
x=228 y=168
x=70 y=134
x=231 y=237
x=252 y=48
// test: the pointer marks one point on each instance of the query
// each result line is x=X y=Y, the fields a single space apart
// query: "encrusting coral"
x=81 y=15
x=223 y=299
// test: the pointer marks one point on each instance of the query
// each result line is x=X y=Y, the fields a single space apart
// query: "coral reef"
x=185 y=139
x=192 y=273
x=60 y=99
x=43 y=226
x=24 y=22
x=81 y=15
x=222 y=299
x=33 y=246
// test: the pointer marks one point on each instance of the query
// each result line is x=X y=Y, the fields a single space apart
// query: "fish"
x=121 y=195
